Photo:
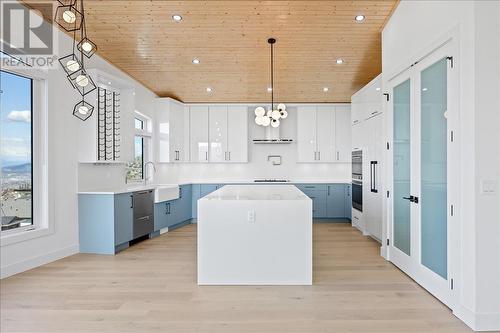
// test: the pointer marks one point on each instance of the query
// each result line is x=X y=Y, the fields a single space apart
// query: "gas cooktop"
x=271 y=181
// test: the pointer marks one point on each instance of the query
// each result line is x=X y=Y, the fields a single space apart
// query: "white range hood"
x=273 y=137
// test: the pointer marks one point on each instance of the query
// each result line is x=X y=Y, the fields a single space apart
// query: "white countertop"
x=129 y=189
x=257 y=192
x=135 y=188
x=251 y=181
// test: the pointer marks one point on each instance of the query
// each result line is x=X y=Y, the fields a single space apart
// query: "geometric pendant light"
x=70 y=15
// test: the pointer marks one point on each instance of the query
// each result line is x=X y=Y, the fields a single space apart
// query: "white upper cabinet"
x=307 y=148
x=367 y=102
x=218 y=133
x=237 y=134
x=172 y=128
x=198 y=131
x=323 y=134
x=228 y=133
x=342 y=133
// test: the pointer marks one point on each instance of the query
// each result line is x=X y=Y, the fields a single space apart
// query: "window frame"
x=42 y=215
x=32 y=225
x=146 y=135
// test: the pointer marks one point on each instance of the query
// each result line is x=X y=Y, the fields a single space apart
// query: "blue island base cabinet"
x=105 y=222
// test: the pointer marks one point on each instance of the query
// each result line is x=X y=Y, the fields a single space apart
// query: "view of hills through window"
x=16 y=150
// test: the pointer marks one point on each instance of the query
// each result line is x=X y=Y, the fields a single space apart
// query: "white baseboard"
x=479 y=321
x=31 y=263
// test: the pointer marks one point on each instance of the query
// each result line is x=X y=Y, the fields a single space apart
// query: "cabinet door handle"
x=206 y=156
x=338 y=156
x=180 y=192
x=131 y=201
x=229 y=153
x=319 y=156
x=144 y=218
x=328 y=190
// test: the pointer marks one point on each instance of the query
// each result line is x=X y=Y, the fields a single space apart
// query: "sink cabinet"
x=174 y=212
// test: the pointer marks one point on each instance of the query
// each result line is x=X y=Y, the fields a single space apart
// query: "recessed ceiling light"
x=325 y=89
x=359 y=18
x=340 y=61
x=377 y=89
x=177 y=18
x=209 y=89
x=196 y=61
x=109 y=83
x=269 y=89
x=424 y=89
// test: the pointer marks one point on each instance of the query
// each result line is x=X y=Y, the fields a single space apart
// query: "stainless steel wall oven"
x=357 y=180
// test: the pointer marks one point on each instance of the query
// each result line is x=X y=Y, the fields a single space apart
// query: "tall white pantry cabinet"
x=367 y=133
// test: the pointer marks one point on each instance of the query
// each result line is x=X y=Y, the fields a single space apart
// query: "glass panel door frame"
x=411 y=265
x=435 y=284
x=394 y=254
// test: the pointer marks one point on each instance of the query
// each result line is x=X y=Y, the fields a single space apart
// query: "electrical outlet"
x=251 y=216
x=488 y=186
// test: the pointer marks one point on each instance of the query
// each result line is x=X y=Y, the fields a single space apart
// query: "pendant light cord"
x=272 y=78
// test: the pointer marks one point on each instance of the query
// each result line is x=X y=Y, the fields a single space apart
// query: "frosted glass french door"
x=420 y=167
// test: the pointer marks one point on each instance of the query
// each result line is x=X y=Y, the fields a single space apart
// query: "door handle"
x=412 y=198
x=145 y=218
x=373 y=176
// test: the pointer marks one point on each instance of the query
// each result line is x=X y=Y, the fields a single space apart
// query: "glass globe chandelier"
x=70 y=15
x=273 y=115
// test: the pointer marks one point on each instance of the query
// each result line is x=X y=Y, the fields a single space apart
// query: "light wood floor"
x=151 y=287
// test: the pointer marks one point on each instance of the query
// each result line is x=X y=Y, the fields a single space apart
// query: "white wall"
x=411 y=28
x=258 y=165
x=63 y=169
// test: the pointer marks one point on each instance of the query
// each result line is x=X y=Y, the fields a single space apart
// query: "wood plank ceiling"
x=230 y=40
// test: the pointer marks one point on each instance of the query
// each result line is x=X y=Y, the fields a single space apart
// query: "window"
x=16 y=134
x=139 y=124
x=142 y=140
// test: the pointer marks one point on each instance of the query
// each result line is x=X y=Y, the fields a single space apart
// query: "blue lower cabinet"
x=123 y=218
x=185 y=205
x=336 y=201
x=105 y=222
x=206 y=189
x=319 y=206
x=317 y=192
x=170 y=213
x=196 y=194
x=161 y=213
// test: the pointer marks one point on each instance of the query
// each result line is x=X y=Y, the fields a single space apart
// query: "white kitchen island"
x=255 y=235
